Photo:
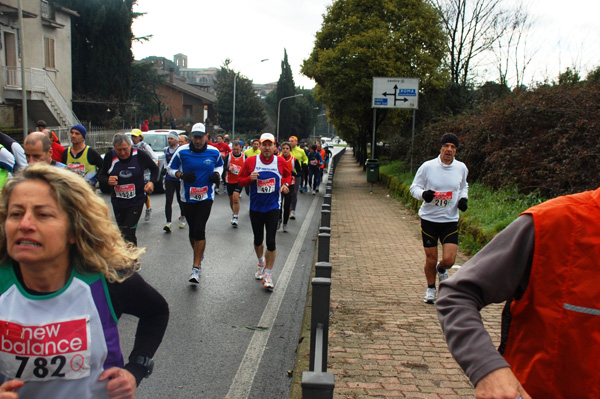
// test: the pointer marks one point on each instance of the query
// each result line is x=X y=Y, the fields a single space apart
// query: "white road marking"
x=244 y=378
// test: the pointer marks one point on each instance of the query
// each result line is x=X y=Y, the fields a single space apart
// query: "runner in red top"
x=268 y=176
x=294 y=166
x=224 y=150
x=233 y=163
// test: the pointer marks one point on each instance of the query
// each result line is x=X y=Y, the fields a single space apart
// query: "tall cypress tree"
x=286 y=88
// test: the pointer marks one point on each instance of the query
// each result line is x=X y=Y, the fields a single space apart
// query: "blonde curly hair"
x=99 y=247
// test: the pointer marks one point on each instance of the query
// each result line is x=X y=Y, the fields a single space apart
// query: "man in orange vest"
x=545 y=266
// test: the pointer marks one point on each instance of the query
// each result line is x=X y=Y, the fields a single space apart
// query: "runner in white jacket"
x=442 y=184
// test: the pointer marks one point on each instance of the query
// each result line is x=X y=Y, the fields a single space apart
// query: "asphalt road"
x=227 y=336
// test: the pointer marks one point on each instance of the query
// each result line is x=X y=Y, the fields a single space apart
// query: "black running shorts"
x=431 y=232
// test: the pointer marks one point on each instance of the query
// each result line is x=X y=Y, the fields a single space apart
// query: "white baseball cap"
x=267 y=137
x=198 y=129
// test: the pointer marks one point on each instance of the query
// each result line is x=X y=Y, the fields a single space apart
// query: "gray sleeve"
x=491 y=276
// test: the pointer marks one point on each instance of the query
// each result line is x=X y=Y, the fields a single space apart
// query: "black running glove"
x=214 y=178
x=462 y=204
x=189 y=177
x=428 y=195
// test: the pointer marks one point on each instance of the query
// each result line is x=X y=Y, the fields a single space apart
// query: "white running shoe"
x=268 y=281
x=260 y=270
x=167 y=227
x=285 y=228
x=293 y=215
x=441 y=275
x=430 y=295
x=234 y=221
x=195 y=276
x=181 y=223
x=148 y=214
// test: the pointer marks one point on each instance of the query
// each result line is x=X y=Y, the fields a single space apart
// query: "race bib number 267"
x=59 y=350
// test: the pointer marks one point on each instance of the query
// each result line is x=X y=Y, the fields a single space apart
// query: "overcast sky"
x=565 y=33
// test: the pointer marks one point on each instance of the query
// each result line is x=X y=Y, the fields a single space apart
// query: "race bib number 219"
x=59 y=350
x=442 y=198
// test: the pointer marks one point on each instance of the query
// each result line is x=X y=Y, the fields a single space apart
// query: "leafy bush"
x=543 y=141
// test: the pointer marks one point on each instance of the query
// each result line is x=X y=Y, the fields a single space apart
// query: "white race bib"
x=126 y=191
x=199 y=193
x=235 y=169
x=442 y=199
x=266 y=186
x=78 y=168
x=53 y=351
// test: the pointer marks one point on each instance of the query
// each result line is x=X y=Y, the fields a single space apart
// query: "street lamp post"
x=234 y=98
x=279 y=109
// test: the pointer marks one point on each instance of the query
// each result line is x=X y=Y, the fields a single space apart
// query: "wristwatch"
x=287 y=185
x=145 y=361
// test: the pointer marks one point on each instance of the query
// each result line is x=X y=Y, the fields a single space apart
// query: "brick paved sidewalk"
x=384 y=341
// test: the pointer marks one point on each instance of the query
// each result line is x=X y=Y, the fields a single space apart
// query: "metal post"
x=412 y=140
x=23 y=87
x=325 y=229
x=233 y=119
x=326 y=218
x=323 y=253
x=234 y=101
x=279 y=109
x=374 y=127
x=323 y=269
x=321 y=290
x=327 y=199
x=317 y=385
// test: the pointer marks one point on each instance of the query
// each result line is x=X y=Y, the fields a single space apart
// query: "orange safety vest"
x=291 y=161
x=323 y=158
x=235 y=166
x=553 y=344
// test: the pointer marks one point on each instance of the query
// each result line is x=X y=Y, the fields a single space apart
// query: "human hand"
x=149 y=187
x=214 y=177
x=254 y=176
x=428 y=195
x=7 y=389
x=121 y=383
x=284 y=189
x=188 y=177
x=500 y=384
x=113 y=180
x=462 y=204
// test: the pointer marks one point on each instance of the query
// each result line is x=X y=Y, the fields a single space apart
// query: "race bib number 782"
x=59 y=350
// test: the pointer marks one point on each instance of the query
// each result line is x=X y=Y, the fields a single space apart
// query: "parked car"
x=326 y=140
x=157 y=139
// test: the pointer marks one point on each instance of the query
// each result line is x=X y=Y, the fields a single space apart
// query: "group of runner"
x=272 y=176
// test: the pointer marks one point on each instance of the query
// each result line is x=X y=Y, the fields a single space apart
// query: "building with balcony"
x=45 y=60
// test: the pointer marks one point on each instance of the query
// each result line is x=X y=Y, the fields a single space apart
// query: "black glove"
x=189 y=177
x=462 y=204
x=428 y=195
x=214 y=178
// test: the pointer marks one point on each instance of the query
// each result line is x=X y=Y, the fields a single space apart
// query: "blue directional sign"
x=395 y=93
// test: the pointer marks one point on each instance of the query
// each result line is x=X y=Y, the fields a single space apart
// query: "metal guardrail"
x=317 y=383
